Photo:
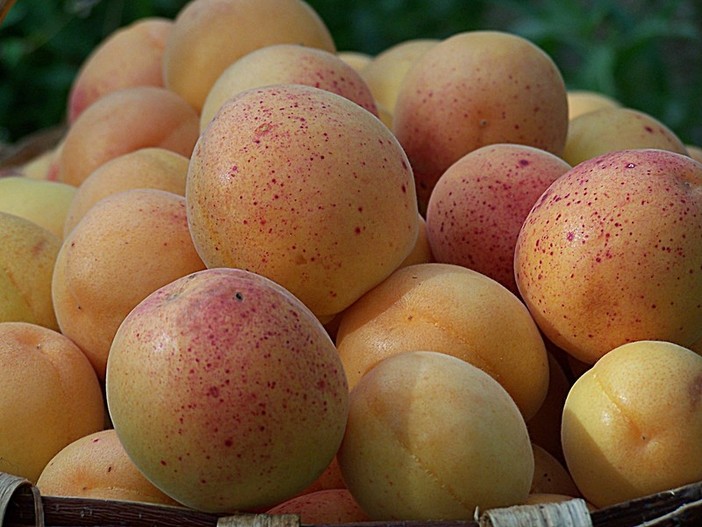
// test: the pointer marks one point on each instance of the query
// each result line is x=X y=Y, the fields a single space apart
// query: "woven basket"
x=22 y=505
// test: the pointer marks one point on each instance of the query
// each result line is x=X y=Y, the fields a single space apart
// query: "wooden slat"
x=681 y=507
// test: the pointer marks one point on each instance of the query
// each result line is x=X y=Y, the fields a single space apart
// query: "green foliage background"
x=645 y=53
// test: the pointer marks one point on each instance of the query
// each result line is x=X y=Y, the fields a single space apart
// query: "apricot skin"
x=632 y=423
x=242 y=400
x=610 y=253
x=477 y=88
x=275 y=187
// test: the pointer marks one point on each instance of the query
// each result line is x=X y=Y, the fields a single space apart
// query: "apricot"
x=27 y=262
x=209 y=35
x=43 y=202
x=329 y=507
x=473 y=89
x=130 y=56
x=430 y=436
x=584 y=101
x=421 y=253
x=356 y=59
x=96 y=466
x=287 y=64
x=49 y=396
x=479 y=203
x=304 y=187
x=615 y=128
x=550 y=475
x=386 y=71
x=125 y=247
x=632 y=423
x=38 y=166
x=226 y=391
x=610 y=253
x=150 y=167
x=449 y=309
x=124 y=121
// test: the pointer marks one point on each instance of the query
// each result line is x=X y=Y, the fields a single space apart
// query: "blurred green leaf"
x=645 y=53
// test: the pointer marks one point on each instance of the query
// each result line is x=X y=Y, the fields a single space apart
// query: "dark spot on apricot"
x=523 y=162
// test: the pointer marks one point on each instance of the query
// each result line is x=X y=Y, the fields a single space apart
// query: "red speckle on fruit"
x=357 y=230
x=523 y=162
x=163 y=462
x=228 y=443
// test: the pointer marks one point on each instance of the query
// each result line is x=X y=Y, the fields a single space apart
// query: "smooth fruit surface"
x=305 y=187
x=49 y=397
x=453 y=310
x=477 y=88
x=610 y=253
x=96 y=466
x=226 y=391
x=430 y=436
x=632 y=423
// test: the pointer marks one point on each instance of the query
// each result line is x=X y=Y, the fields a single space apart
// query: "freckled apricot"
x=610 y=253
x=550 y=475
x=226 y=391
x=305 y=187
x=479 y=203
x=330 y=506
x=477 y=88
